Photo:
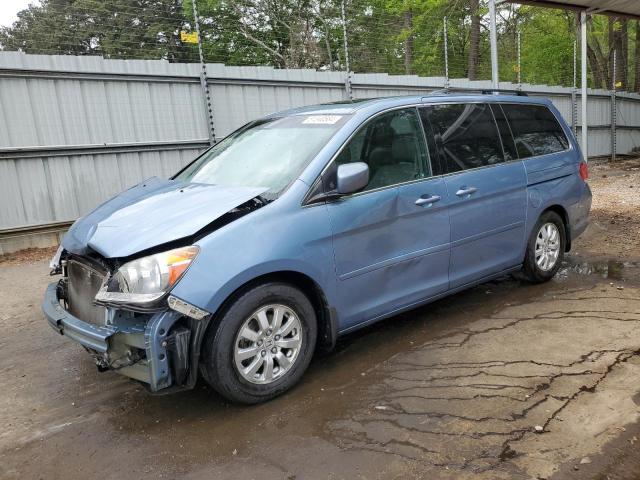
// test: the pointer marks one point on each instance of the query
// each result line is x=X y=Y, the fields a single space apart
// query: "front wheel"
x=545 y=249
x=262 y=345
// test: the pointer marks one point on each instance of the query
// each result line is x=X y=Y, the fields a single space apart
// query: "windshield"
x=269 y=153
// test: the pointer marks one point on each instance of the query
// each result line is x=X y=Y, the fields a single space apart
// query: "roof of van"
x=347 y=107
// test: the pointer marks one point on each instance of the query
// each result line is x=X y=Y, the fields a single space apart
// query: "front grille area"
x=84 y=282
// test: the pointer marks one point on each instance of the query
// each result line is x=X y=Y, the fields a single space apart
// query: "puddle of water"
x=612 y=269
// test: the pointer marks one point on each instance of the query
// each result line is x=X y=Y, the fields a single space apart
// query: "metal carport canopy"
x=624 y=8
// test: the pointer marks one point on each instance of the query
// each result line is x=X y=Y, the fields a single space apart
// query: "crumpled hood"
x=153 y=212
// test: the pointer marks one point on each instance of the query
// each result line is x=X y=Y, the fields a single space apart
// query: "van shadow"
x=332 y=384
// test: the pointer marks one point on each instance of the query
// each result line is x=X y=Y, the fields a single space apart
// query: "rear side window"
x=465 y=135
x=536 y=130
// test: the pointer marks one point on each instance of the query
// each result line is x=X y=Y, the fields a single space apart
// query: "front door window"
x=392 y=144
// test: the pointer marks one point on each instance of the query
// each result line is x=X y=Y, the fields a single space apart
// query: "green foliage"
x=546 y=37
x=547 y=48
x=392 y=36
x=114 y=28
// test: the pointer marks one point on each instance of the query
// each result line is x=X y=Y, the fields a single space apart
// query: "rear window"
x=536 y=130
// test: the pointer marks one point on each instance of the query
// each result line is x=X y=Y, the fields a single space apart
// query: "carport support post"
x=583 y=81
x=493 y=36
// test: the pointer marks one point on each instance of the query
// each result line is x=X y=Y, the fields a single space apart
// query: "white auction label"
x=322 y=119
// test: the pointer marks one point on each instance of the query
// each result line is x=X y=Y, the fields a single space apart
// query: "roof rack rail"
x=440 y=91
x=496 y=91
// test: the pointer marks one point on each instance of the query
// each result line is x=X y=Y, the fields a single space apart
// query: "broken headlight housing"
x=54 y=264
x=147 y=279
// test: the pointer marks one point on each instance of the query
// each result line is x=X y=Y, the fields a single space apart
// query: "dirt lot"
x=507 y=380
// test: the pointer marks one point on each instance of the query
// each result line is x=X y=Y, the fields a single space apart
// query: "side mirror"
x=352 y=177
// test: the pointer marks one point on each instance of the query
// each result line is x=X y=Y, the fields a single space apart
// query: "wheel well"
x=565 y=220
x=327 y=328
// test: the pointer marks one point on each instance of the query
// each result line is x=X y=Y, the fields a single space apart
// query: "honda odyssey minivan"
x=308 y=224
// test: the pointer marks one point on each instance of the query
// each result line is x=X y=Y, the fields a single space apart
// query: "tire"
x=535 y=270
x=239 y=332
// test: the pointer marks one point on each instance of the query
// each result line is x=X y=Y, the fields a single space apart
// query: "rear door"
x=391 y=240
x=486 y=189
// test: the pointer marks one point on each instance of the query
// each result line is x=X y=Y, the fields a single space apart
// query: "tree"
x=390 y=36
x=618 y=46
x=114 y=29
x=286 y=34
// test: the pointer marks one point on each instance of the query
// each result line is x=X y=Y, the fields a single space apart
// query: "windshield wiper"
x=262 y=200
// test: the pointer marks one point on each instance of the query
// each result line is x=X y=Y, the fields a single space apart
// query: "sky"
x=9 y=9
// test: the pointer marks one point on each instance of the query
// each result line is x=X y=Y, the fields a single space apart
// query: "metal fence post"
x=613 y=110
x=208 y=107
x=446 y=56
x=347 y=82
x=519 y=63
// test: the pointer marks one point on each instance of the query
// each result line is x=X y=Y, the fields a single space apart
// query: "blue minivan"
x=311 y=223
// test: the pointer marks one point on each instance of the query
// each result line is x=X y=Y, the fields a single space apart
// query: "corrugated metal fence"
x=76 y=130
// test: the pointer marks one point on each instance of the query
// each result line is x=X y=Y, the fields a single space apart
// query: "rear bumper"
x=111 y=343
x=579 y=214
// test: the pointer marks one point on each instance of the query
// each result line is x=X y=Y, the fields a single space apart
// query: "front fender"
x=275 y=238
x=212 y=301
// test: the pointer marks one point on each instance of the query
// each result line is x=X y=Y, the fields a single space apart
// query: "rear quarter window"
x=535 y=129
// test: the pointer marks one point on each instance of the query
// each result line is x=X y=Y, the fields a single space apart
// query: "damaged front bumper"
x=160 y=349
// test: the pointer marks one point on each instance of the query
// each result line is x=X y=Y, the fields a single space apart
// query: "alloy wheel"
x=547 y=248
x=267 y=344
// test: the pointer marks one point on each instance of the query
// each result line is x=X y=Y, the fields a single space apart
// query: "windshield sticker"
x=322 y=119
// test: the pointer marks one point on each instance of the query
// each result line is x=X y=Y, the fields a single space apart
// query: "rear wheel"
x=262 y=345
x=545 y=249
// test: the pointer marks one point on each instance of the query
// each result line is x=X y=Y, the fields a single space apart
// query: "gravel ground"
x=28 y=255
x=504 y=381
x=616 y=206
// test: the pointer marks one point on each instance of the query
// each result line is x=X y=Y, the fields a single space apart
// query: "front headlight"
x=146 y=279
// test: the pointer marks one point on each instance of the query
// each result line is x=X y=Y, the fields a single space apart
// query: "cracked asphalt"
x=505 y=381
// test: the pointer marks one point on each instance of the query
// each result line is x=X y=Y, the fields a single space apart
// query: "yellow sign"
x=618 y=84
x=189 y=37
x=516 y=68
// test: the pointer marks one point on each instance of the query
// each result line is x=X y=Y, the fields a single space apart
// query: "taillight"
x=584 y=171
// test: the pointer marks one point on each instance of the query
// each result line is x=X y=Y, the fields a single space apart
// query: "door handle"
x=427 y=201
x=466 y=191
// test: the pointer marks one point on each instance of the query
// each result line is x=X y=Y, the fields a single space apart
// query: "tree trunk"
x=624 y=53
x=618 y=46
x=408 y=41
x=328 y=47
x=596 y=68
x=474 y=40
x=610 y=74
